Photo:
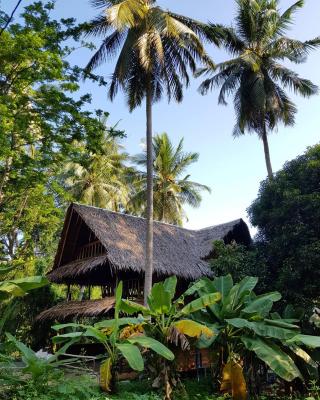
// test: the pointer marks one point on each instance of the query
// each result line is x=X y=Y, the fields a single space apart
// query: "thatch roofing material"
x=76 y=268
x=177 y=251
x=73 y=309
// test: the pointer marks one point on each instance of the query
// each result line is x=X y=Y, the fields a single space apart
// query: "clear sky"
x=233 y=168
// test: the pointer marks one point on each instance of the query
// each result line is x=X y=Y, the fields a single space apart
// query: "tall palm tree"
x=255 y=74
x=172 y=187
x=102 y=180
x=156 y=49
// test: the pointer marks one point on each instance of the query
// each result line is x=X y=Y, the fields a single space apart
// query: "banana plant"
x=38 y=366
x=121 y=337
x=12 y=288
x=167 y=320
x=245 y=324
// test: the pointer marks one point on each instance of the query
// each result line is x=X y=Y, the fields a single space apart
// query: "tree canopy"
x=172 y=187
x=255 y=75
x=287 y=215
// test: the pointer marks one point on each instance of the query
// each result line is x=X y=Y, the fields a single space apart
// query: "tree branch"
x=10 y=18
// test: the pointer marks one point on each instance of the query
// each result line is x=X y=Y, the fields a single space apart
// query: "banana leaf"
x=150 y=343
x=279 y=361
x=201 y=303
x=192 y=328
x=308 y=340
x=132 y=354
x=170 y=285
x=262 y=329
x=159 y=299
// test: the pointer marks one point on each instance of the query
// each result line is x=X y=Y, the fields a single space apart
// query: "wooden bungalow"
x=100 y=248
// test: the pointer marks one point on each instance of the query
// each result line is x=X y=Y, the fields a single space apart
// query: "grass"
x=140 y=390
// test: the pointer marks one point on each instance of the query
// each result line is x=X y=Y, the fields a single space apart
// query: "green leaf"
x=132 y=354
x=223 y=284
x=154 y=345
x=28 y=354
x=5 y=271
x=262 y=304
x=58 y=327
x=71 y=335
x=8 y=289
x=159 y=299
x=201 y=303
x=282 y=323
x=95 y=334
x=237 y=294
x=204 y=284
x=274 y=357
x=109 y=323
x=170 y=285
x=262 y=329
x=30 y=283
x=308 y=340
x=130 y=307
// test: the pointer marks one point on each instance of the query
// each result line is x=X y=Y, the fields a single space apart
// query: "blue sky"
x=233 y=168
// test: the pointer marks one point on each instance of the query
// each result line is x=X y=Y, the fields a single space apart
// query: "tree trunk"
x=267 y=153
x=149 y=241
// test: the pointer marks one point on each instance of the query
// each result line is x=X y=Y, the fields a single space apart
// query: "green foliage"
x=155 y=47
x=257 y=43
x=51 y=386
x=40 y=117
x=100 y=178
x=287 y=214
x=172 y=187
x=243 y=322
x=39 y=376
x=167 y=321
x=121 y=337
x=238 y=261
x=13 y=288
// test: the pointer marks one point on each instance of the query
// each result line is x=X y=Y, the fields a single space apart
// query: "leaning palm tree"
x=172 y=187
x=156 y=49
x=255 y=75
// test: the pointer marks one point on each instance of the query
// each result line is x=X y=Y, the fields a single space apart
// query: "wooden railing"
x=92 y=249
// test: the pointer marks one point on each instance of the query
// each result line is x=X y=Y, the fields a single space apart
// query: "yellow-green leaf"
x=192 y=328
x=106 y=375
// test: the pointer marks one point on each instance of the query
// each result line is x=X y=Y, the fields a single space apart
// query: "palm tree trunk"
x=149 y=241
x=267 y=153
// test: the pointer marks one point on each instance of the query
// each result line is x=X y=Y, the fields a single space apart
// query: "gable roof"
x=177 y=251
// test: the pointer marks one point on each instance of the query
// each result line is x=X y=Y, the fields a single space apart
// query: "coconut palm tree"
x=156 y=49
x=101 y=180
x=172 y=187
x=255 y=75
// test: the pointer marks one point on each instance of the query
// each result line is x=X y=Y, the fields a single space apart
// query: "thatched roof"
x=177 y=251
x=74 y=309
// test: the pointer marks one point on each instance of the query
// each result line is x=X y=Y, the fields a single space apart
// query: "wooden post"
x=68 y=293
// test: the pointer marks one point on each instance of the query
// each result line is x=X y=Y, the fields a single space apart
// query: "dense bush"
x=287 y=214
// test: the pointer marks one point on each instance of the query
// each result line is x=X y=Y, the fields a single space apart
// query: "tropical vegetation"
x=257 y=316
x=244 y=323
x=286 y=213
x=172 y=187
x=156 y=48
x=255 y=76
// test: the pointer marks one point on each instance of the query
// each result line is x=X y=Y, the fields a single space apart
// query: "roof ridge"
x=155 y=221
x=135 y=216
